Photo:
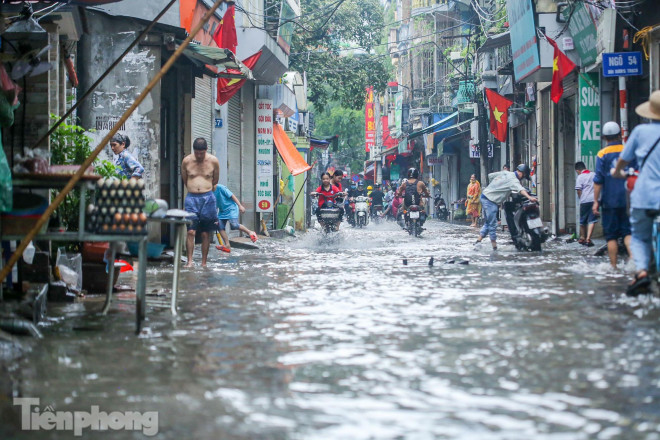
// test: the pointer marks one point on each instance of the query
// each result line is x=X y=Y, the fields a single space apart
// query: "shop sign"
x=524 y=43
x=433 y=160
x=584 y=32
x=622 y=64
x=476 y=154
x=264 y=189
x=398 y=111
x=589 y=112
x=369 y=120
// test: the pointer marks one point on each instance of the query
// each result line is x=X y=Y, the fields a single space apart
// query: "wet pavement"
x=314 y=338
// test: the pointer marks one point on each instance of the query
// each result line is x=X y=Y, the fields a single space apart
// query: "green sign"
x=589 y=100
x=584 y=32
x=398 y=111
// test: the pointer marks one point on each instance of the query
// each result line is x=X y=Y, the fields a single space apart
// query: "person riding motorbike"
x=352 y=193
x=337 y=178
x=510 y=206
x=390 y=193
x=325 y=192
x=369 y=190
x=377 y=198
x=413 y=190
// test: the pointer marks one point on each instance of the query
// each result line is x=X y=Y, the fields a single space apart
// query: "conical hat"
x=651 y=108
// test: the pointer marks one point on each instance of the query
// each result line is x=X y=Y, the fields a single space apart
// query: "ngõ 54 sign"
x=264 y=190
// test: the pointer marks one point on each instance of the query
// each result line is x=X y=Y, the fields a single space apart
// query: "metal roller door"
x=234 y=143
x=202 y=110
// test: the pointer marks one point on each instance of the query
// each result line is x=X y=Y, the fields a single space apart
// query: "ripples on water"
x=337 y=339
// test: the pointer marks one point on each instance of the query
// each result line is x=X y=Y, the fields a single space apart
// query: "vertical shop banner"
x=524 y=43
x=264 y=187
x=589 y=87
x=369 y=121
x=583 y=29
x=398 y=113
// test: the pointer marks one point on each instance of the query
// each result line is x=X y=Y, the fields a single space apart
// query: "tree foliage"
x=349 y=125
x=321 y=48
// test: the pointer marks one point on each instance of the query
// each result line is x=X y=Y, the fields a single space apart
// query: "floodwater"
x=337 y=339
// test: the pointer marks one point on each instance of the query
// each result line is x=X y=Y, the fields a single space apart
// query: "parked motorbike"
x=412 y=219
x=441 y=210
x=361 y=211
x=330 y=214
x=527 y=219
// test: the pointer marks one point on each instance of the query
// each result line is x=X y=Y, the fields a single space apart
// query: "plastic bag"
x=7 y=85
x=6 y=187
x=69 y=269
x=32 y=161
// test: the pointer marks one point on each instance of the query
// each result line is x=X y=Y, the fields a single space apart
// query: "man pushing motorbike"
x=413 y=190
x=502 y=184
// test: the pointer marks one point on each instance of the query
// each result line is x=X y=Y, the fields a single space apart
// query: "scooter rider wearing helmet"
x=352 y=193
x=413 y=190
x=502 y=184
x=377 y=198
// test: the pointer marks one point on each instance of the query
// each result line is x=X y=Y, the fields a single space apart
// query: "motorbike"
x=361 y=211
x=441 y=210
x=330 y=214
x=412 y=219
x=376 y=213
x=527 y=219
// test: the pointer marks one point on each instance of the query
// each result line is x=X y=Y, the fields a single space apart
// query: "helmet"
x=377 y=185
x=413 y=173
x=370 y=187
x=524 y=169
x=611 y=128
x=360 y=183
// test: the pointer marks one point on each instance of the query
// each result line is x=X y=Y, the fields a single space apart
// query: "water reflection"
x=337 y=339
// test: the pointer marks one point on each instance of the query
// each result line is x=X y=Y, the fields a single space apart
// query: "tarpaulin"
x=292 y=158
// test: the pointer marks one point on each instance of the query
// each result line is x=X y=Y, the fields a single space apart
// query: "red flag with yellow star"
x=561 y=67
x=225 y=35
x=227 y=87
x=499 y=114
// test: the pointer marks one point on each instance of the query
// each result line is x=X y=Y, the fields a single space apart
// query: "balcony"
x=420 y=7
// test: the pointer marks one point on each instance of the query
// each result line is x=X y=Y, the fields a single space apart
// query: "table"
x=114 y=239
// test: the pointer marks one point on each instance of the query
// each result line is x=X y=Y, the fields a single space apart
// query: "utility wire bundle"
x=118 y=208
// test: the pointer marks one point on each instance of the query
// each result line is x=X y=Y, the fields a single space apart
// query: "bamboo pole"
x=88 y=162
x=105 y=74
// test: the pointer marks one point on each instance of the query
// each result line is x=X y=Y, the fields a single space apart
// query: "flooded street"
x=314 y=339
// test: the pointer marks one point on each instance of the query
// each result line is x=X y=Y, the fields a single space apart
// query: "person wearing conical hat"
x=643 y=148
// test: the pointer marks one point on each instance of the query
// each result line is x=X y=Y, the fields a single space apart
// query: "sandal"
x=582 y=241
x=639 y=285
x=223 y=248
x=589 y=243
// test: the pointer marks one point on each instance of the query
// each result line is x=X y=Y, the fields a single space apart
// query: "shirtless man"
x=200 y=173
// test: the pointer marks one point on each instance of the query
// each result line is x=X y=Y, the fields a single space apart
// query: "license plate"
x=361 y=213
x=534 y=223
x=414 y=214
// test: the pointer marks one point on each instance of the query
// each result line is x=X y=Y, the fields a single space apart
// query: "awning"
x=449 y=120
x=495 y=41
x=213 y=56
x=292 y=158
x=452 y=143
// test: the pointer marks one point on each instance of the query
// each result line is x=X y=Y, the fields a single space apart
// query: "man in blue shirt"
x=228 y=211
x=611 y=193
x=645 y=198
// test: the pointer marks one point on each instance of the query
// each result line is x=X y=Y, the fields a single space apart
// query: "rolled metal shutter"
x=202 y=110
x=234 y=143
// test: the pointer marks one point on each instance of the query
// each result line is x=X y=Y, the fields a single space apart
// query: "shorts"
x=205 y=212
x=616 y=223
x=233 y=223
x=587 y=216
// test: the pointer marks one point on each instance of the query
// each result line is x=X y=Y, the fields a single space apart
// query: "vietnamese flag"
x=561 y=67
x=225 y=35
x=499 y=114
x=227 y=87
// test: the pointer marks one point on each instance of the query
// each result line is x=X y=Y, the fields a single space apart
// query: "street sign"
x=622 y=64
x=264 y=184
x=218 y=122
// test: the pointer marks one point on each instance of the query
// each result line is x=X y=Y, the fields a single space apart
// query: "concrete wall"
x=120 y=89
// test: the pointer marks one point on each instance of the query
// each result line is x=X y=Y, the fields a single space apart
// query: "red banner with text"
x=369 y=121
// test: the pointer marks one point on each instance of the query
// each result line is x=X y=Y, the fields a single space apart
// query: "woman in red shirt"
x=326 y=189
